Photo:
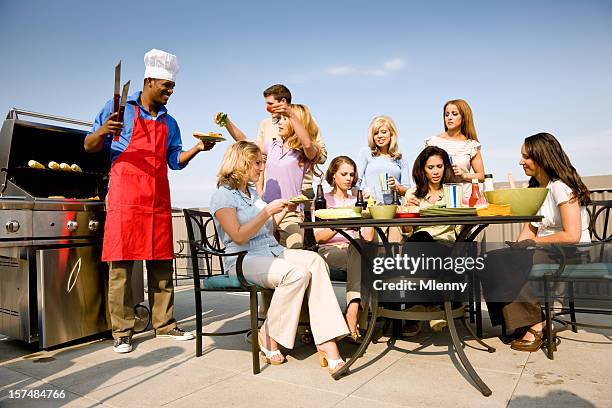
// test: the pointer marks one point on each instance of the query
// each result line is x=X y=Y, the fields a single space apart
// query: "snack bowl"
x=379 y=212
x=522 y=201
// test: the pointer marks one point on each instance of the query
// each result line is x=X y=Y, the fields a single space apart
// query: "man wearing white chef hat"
x=139 y=222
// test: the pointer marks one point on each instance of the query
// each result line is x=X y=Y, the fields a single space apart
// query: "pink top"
x=332 y=202
x=284 y=175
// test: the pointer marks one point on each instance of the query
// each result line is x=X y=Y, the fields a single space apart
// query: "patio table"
x=470 y=227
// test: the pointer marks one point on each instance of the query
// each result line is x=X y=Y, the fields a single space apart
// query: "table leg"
x=362 y=347
x=372 y=324
x=383 y=238
x=452 y=330
x=476 y=337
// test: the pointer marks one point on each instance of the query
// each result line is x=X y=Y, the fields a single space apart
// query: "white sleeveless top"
x=461 y=153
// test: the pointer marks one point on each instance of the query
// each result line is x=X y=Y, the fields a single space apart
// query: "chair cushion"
x=580 y=271
x=221 y=282
x=337 y=275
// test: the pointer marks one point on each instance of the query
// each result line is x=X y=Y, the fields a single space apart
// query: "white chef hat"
x=161 y=65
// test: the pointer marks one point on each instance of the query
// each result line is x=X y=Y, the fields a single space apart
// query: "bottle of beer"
x=396 y=198
x=320 y=202
x=360 y=202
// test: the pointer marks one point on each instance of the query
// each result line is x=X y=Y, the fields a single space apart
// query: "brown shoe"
x=528 y=345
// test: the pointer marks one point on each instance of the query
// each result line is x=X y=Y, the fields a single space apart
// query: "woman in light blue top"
x=382 y=156
x=245 y=222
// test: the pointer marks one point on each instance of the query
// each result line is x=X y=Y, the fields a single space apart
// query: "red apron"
x=139 y=218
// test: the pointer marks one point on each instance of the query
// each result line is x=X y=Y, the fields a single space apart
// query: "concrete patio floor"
x=421 y=372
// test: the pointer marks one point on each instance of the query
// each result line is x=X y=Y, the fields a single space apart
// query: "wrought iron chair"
x=590 y=265
x=205 y=246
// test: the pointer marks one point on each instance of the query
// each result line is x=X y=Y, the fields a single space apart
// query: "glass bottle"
x=488 y=183
x=360 y=202
x=476 y=199
x=396 y=198
x=320 y=202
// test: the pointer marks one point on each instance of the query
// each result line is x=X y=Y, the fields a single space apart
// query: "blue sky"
x=523 y=66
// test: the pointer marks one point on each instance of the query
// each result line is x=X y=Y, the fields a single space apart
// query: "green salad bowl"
x=382 y=212
x=523 y=201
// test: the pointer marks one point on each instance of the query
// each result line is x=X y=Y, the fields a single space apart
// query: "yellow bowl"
x=523 y=201
x=382 y=211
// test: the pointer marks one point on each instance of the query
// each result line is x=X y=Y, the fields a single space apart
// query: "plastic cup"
x=387 y=197
x=453 y=195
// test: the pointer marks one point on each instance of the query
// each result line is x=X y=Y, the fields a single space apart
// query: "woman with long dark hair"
x=565 y=221
x=432 y=168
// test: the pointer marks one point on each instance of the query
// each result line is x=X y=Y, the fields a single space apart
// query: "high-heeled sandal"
x=270 y=354
x=529 y=345
x=354 y=337
x=332 y=365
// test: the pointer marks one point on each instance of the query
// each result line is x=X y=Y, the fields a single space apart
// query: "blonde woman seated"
x=336 y=249
x=245 y=222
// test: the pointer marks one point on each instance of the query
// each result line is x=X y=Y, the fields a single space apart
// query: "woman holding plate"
x=245 y=222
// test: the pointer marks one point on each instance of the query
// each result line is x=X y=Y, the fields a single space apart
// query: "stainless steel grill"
x=52 y=283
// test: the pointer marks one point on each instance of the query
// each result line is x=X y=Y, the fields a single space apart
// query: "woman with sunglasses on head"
x=336 y=249
x=565 y=221
x=245 y=223
x=288 y=160
x=460 y=141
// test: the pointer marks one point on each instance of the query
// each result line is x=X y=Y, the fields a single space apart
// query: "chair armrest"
x=200 y=248
x=556 y=251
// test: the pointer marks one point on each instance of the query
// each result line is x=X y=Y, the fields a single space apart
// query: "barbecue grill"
x=53 y=285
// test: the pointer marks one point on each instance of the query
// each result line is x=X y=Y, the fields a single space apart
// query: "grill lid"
x=22 y=141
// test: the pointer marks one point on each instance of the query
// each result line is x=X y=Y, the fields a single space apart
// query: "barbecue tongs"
x=119 y=105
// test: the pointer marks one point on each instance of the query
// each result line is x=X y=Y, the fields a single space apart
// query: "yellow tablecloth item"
x=494 y=210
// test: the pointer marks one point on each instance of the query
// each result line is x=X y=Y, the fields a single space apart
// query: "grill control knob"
x=72 y=226
x=94 y=225
x=12 y=226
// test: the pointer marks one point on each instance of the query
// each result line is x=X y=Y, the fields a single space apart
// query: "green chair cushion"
x=221 y=282
x=580 y=271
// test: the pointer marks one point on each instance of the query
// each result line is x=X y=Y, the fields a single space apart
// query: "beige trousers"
x=296 y=275
x=120 y=297
x=345 y=257
x=290 y=235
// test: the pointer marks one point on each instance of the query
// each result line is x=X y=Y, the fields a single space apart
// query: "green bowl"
x=523 y=201
x=380 y=212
